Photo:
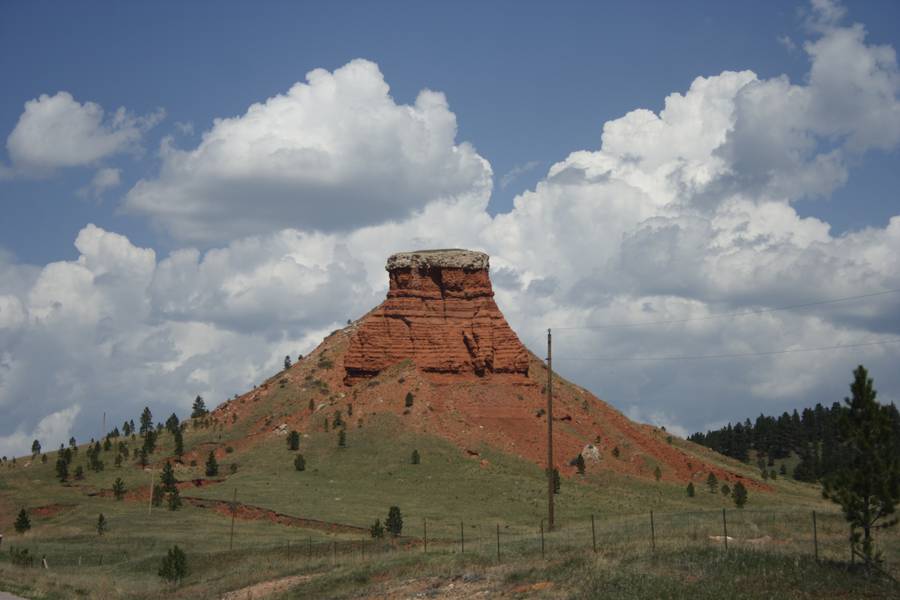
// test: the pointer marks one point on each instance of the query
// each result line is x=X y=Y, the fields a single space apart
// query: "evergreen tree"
x=62 y=470
x=866 y=484
x=157 y=496
x=118 y=488
x=198 y=410
x=394 y=523
x=293 y=440
x=376 y=530
x=146 y=421
x=150 y=441
x=126 y=428
x=23 y=523
x=342 y=439
x=212 y=466
x=43 y=459
x=300 y=462
x=79 y=473
x=287 y=363
x=174 y=500
x=712 y=482
x=408 y=402
x=179 y=443
x=739 y=495
x=102 y=526
x=414 y=459
x=174 y=565
x=579 y=464
x=107 y=445
x=690 y=489
x=143 y=457
x=167 y=477
x=726 y=491
x=35 y=448
x=172 y=423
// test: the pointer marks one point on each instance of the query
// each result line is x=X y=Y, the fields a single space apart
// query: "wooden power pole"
x=550 y=466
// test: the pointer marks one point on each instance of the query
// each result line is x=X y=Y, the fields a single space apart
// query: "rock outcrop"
x=440 y=313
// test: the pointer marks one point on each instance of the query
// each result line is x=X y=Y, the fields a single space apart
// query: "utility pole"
x=550 y=478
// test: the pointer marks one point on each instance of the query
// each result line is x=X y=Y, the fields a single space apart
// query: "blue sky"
x=528 y=81
x=620 y=161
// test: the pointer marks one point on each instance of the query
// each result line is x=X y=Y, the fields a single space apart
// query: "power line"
x=728 y=315
x=736 y=355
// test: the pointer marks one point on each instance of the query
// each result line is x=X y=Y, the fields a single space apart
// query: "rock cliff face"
x=440 y=313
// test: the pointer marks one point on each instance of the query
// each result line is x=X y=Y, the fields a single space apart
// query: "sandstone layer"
x=440 y=314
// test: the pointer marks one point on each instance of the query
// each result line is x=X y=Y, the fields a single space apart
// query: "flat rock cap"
x=452 y=258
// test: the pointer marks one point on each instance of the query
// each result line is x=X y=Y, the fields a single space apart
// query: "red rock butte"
x=440 y=314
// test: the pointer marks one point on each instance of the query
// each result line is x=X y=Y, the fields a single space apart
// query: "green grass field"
x=771 y=538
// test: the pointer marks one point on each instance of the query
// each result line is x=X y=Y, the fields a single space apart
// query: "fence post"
x=498 y=542
x=462 y=539
x=334 y=553
x=725 y=529
x=542 y=538
x=652 y=533
x=425 y=533
x=593 y=534
x=815 y=537
x=233 y=511
x=309 y=548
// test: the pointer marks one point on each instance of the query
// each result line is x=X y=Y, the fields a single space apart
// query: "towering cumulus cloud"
x=683 y=214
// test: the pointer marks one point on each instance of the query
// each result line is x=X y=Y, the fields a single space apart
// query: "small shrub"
x=408 y=402
x=657 y=473
x=300 y=462
x=233 y=468
x=615 y=452
x=690 y=489
x=158 y=495
x=293 y=440
x=174 y=500
x=23 y=523
x=174 y=565
x=102 y=525
x=579 y=464
x=712 y=482
x=726 y=491
x=414 y=459
x=212 y=465
x=229 y=450
x=342 y=439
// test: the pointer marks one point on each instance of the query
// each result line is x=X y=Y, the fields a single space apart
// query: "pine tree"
x=376 y=530
x=179 y=443
x=157 y=496
x=690 y=489
x=726 y=491
x=174 y=565
x=300 y=462
x=579 y=464
x=23 y=523
x=172 y=423
x=174 y=500
x=118 y=488
x=102 y=526
x=107 y=445
x=35 y=448
x=408 y=402
x=394 y=523
x=739 y=495
x=150 y=441
x=62 y=470
x=43 y=459
x=293 y=440
x=198 y=410
x=414 y=459
x=287 y=363
x=342 y=439
x=212 y=467
x=167 y=478
x=712 y=482
x=866 y=484
x=146 y=421
x=79 y=473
